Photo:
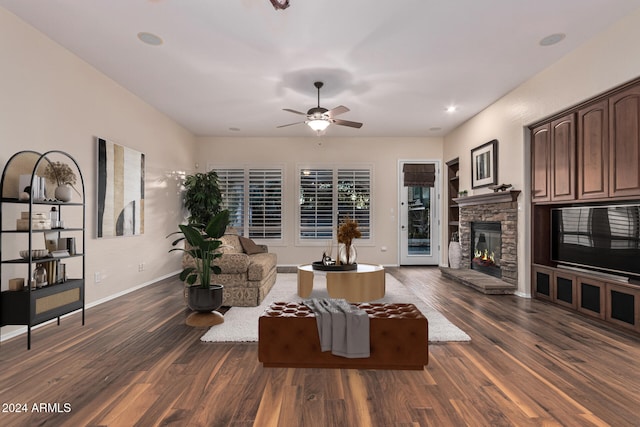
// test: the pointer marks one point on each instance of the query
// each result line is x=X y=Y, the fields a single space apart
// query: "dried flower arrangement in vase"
x=64 y=177
x=347 y=231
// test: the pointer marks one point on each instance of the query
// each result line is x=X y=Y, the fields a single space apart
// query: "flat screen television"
x=600 y=238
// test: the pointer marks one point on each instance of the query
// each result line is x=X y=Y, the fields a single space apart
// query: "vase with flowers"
x=347 y=231
x=64 y=177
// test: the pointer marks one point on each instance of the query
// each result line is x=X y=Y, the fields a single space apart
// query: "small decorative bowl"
x=35 y=253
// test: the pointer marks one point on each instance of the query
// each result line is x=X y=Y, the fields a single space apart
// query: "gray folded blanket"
x=343 y=328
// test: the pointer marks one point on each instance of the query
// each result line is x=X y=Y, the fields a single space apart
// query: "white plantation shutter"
x=316 y=204
x=265 y=203
x=254 y=200
x=326 y=194
x=232 y=187
x=354 y=198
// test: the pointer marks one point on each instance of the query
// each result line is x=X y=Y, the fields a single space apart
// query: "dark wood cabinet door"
x=624 y=141
x=563 y=158
x=593 y=151
x=540 y=166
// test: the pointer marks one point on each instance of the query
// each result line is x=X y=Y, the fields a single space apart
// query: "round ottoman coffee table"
x=361 y=285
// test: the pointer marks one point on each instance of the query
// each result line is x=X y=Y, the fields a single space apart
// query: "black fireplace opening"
x=486 y=247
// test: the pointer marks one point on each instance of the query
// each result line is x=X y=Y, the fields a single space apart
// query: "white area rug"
x=241 y=323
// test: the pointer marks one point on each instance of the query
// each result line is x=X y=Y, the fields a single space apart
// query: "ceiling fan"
x=319 y=118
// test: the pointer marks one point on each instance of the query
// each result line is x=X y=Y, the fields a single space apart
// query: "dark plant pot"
x=205 y=300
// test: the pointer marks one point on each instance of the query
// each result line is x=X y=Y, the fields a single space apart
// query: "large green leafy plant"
x=202 y=197
x=203 y=245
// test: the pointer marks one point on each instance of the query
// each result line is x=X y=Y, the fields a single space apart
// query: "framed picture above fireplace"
x=484 y=165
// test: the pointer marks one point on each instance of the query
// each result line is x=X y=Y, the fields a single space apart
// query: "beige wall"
x=382 y=153
x=53 y=100
x=606 y=61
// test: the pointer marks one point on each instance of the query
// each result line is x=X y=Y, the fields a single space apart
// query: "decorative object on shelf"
x=31 y=185
x=67 y=244
x=51 y=240
x=463 y=193
x=501 y=187
x=53 y=216
x=484 y=165
x=35 y=253
x=64 y=177
x=40 y=276
x=120 y=197
x=16 y=284
x=62 y=273
x=63 y=193
x=347 y=231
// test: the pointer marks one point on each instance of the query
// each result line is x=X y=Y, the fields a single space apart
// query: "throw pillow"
x=230 y=244
x=250 y=246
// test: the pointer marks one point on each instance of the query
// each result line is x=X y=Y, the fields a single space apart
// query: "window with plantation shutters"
x=253 y=197
x=316 y=203
x=354 y=198
x=265 y=203
x=329 y=195
x=232 y=188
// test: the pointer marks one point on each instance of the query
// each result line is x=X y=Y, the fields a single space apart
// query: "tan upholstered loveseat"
x=248 y=272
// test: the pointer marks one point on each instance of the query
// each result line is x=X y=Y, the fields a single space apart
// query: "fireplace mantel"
x=482 y=199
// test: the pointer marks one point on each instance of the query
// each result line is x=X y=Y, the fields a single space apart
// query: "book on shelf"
x=60 y=253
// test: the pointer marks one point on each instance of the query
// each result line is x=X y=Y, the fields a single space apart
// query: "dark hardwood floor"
x=135 y=362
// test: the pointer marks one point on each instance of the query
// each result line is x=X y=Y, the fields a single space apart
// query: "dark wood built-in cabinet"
x=540 y=166
x=593 y=151
x=563 y=159
x=553 y=160
x=587 y=155
x=624 y=136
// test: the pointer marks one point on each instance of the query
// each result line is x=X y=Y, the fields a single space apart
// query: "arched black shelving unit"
x=34 y=305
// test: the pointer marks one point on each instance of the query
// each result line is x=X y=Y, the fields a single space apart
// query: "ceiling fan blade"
x=341 y=109
x=347 y=123
x=293 y=111
x=290 y=124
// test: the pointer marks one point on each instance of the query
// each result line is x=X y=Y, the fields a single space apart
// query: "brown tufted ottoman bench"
x=288 y=337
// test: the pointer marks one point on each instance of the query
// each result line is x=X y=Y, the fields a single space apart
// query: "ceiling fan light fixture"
x=318 y=124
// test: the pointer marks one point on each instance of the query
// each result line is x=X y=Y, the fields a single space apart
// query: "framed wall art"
x=120 y=195
x=484 y=165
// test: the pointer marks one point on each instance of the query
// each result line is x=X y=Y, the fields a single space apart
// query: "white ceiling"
x=397 y=65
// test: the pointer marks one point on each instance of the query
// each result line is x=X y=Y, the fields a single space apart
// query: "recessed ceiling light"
x=436 y=129
x=552 y=39
x=150 y=39
x=452 y=109
x=234 y=129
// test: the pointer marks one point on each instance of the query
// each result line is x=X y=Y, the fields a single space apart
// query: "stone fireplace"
x=488 y=234
x=486 y=247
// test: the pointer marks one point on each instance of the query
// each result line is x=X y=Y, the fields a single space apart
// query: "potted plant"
x=202 y=197
x=203 y=245
x=64 y=177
